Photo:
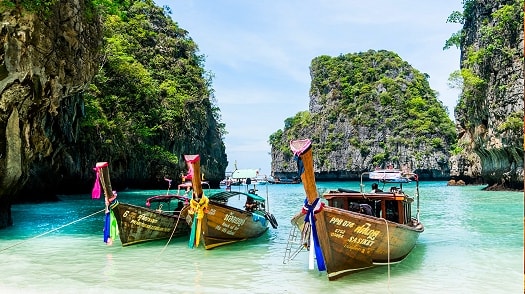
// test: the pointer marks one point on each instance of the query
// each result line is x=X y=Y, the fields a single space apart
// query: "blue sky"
x=260 y=52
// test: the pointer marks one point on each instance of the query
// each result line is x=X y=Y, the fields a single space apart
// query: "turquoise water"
x=473 y=243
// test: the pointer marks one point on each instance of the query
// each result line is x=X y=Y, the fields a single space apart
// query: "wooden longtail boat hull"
x=224 y=225
x=352 y=241
x=138 y=224
x=218 y=223
x=356 y=230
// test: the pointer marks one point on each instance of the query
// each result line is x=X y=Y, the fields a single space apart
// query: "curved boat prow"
x=302 y=149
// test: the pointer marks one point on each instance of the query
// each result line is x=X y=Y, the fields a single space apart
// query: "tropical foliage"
x=373 y=102
x=494 y=45
x=151 y=100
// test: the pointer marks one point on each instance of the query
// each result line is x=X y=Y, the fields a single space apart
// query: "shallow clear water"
x=473 y=243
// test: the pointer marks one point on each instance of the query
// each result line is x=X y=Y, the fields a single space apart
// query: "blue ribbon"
x=107 y=226
x=310 y=218
x=300 y=165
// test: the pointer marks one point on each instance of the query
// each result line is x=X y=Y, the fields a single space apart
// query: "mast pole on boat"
x=267 y=197
x=417 y=196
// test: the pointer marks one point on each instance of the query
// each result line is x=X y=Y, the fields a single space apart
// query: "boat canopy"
x=389 y=176
x=385 y=174
x=398 y=180
x=245 y=173
x=225 y=195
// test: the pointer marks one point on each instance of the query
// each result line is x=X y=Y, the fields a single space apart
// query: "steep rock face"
x=368 y=110
x=45 y=61
x=490 y=112
x=51 y=136
x=150 y=104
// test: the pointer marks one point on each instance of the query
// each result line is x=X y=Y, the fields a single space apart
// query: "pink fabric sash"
x=95 y=193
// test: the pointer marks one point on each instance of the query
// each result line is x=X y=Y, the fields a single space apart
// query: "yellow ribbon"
x=200 y=207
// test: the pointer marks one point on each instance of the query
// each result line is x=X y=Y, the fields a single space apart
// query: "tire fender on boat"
x=271 y=219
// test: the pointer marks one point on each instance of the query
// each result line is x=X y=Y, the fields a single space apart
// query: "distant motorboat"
x=260 y=180
x=246 y=177
x=387 y=175
x=294 y=180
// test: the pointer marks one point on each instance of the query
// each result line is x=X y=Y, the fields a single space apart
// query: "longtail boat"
x=137 y=224
x=215 y=221
x=349 y=231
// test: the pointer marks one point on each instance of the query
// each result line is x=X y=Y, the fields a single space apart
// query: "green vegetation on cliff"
x=369 y=109
x=496 y=39
x=151 y=100
x=489 y=114
x=107 y=80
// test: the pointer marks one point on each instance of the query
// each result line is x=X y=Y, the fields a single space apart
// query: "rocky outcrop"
x=368 y=110
x=490 y=113
x=57 y=116
x=45 y=61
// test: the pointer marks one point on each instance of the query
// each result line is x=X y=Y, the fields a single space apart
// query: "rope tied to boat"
x=309 y=220
x=200 y=207
x=388 y=251
x=174 y=229
x=53 y=230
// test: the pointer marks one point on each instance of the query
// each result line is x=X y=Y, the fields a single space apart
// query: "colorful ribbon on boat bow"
x=110 y=223
x=310 y=210
x=95 y=193
x=110 y=227
x=197 y=209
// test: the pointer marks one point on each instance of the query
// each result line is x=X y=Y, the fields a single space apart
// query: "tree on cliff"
x=490 y=113
x=369 y=109
x=152 y=100
x=83 y=81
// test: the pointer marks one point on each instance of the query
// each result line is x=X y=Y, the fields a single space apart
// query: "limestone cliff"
x=46 y=59
x=81 y=83
x=368 y=110
x=490 y=113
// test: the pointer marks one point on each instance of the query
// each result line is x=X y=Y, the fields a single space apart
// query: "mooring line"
x=388 y=253
x=45 y=233
x=173 y=232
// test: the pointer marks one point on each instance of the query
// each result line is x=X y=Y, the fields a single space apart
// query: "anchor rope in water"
x=50 y=231
x=173 y=232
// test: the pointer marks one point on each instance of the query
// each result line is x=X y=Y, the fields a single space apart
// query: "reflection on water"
x=473 y=243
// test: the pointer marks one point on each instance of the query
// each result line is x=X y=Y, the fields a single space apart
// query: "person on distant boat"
x=250 y=204
x=229 y=184
x=375 y=188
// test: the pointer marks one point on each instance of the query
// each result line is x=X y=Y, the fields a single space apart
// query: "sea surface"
x=472 y=243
